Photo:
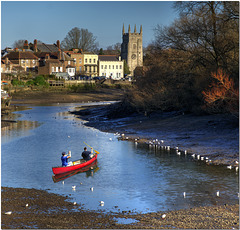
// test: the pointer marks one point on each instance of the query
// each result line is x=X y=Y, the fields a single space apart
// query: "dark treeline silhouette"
x=180 y=64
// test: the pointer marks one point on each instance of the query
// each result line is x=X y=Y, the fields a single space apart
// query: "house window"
x=94 y=60
x=105 y=66
x=60 y=69
x=90 y=60
x=120 y=66
x=80 y=68
x=33 y=61
x=56 y=69
x=26 y=61
x=90 y=69
x=53 y=69
x=113 y=66
x=23 y=61
x=69 y=70
x=69 y=62
x=80 y=61
x=116 y=66
x=101 y=66
x=109 y=66
x=85 y=60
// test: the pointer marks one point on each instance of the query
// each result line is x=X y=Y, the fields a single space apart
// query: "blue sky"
x=51 y=21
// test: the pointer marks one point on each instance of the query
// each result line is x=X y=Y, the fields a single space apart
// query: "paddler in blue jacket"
x=64 y=159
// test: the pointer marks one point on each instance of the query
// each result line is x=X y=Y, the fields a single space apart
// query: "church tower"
x=131 y=48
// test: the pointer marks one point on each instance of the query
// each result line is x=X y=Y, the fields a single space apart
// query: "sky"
x=49 y=21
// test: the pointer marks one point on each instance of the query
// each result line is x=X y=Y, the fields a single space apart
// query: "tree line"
x=193 y=64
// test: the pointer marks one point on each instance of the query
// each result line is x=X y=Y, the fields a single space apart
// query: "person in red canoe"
x=64 y=159
x=87 y=155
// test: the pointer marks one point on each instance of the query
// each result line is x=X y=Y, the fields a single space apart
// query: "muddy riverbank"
x=213 y=136
x=31 y=208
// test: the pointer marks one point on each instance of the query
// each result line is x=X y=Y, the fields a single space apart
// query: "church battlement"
x=131 y=48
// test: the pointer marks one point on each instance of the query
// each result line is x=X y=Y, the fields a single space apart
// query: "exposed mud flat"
x=50 y=211
x=212 y=136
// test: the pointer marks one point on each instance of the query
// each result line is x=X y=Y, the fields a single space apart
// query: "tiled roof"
x=20 y=55
x=108 y=58
x=47 y=47
x=43 y=55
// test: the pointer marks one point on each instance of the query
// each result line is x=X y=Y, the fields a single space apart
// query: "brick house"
x=52 y=59
x=22 y=59
x=77 y=56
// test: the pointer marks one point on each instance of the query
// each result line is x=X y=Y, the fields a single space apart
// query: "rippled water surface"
x=126 y=176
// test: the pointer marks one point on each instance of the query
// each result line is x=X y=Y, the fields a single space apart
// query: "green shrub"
x=16 y=82
x=82 y=87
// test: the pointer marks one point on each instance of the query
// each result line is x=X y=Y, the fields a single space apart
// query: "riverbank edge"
x=213 y=139
x=33 y=208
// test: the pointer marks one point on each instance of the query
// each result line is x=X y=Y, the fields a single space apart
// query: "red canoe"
x=76 y=165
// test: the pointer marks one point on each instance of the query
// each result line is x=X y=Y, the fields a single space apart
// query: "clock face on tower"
x=134 y=56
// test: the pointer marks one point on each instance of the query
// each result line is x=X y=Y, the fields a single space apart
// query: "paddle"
x=91 y=147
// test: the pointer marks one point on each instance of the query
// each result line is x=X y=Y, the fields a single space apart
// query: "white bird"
x=68 y=136
x=178 y=153
x=74 y=203
x=198 y=157
x=236 y=168
x=236 y=162
x=184 y=194
x=63 y=182
x=8 y=213
x=229 y=167
x=193 y=155
x=202 y=158
x=162 y=141
x=163 y=216
x=217 y=193
x=123 y=135
x=74 y=187
x=101 y=203
x=26 y=205
x=91 y=188
x=185 y=151
x=176 y=147
x=127 y=138
x=110 y=139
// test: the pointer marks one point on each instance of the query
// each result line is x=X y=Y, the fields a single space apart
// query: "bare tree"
x=80 y=39
x=206 y=30
x=19 y=44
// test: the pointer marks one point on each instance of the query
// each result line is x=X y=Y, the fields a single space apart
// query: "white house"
x=110 y=66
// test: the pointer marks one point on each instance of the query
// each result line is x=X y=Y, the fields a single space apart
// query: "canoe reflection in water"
x=89 y=169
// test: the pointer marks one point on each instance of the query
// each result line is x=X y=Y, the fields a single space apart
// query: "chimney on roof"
x=25 y=46
x=35 y=45
x=16 y=49
x=47 y=56
x=119 y=58
x=58 y=44
x=59 y=55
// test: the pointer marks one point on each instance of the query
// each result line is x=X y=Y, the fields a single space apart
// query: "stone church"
x=131 y=48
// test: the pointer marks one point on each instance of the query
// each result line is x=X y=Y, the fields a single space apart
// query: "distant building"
x=90 y=61
x=24 y=60
x=52 y=59
x=77 y=55
x=131 y=48
x=111 y=66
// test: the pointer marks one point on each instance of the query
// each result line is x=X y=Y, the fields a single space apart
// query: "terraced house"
x=111 y=66
x=90 y=61
x=22 y=60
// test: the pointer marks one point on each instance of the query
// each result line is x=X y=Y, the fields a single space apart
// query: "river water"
x=127 y=176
